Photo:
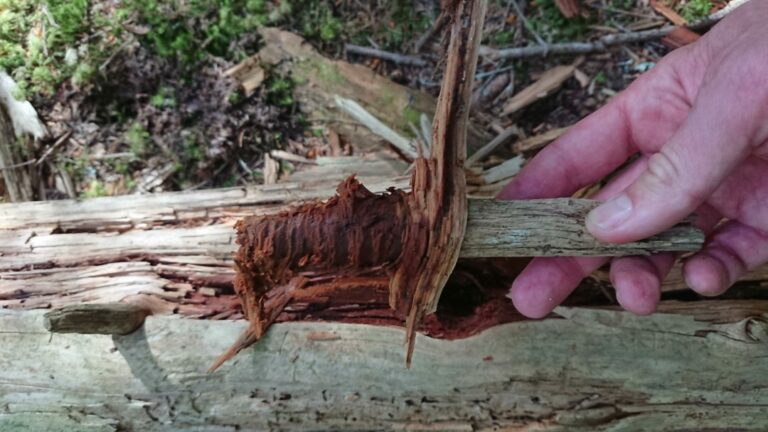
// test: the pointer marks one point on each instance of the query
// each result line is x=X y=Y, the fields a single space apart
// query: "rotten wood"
x=409 y=242
x=109 y=318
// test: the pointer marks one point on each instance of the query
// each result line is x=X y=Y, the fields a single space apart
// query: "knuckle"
x=664 y=176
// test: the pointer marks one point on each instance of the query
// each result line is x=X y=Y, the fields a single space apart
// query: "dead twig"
x=62 y=139
x=385 y=55
x=526 y=23
x=423 y=39
x=602 y=44
x=487 y=149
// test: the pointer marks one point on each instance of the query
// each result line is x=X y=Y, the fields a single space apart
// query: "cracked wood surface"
x=592 y=370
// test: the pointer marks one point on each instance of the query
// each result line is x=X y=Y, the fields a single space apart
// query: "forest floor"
x=134 y=98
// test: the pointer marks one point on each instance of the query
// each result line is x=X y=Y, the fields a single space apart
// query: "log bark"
x=589 y=370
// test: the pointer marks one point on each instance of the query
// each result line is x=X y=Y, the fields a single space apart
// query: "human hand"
x=699 y=121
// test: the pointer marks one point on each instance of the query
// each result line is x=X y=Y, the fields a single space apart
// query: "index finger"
x=590 y=150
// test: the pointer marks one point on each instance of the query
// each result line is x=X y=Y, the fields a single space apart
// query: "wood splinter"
x=359 y=247
x=108 y=318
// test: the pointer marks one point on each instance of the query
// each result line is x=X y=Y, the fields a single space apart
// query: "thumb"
x=709 y=144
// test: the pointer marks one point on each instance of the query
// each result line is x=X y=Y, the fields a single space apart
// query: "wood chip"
x=680 y=37
x=504 y=170
x=249 y=74
x=538 y=141
x=581 y=77
x=208 y=291
x=569 y=8
x=271 y=168
x=668 y=13
x=550 y=81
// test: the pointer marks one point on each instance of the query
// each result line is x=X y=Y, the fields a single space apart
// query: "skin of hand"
x=698 y=122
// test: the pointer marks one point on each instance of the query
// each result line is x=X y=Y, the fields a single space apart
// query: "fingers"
x=733 y=250
x=589 y=151
x=710 y=143
x=637 y=281
x=602 y=141
x=546 y=282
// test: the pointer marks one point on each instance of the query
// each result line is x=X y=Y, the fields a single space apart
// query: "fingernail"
x=610 y=214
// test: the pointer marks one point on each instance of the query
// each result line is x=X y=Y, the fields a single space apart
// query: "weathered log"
x=592 y=370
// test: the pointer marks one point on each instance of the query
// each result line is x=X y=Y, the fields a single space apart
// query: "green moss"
x=36 y=36
x=192 y=150
x=411 y=115
x=164 y=98
x=280 y=91
x=188 y=30
x=696 y=10
x=329 y=73
x=549 y=23
x=504 y=37
x=95 y=189
x=138 y=139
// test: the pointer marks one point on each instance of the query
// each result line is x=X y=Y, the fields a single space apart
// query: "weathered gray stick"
x=105 y=318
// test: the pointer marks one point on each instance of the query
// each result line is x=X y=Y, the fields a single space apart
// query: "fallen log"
x=587 y=370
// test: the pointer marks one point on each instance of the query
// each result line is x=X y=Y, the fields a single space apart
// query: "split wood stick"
x=555 y=227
